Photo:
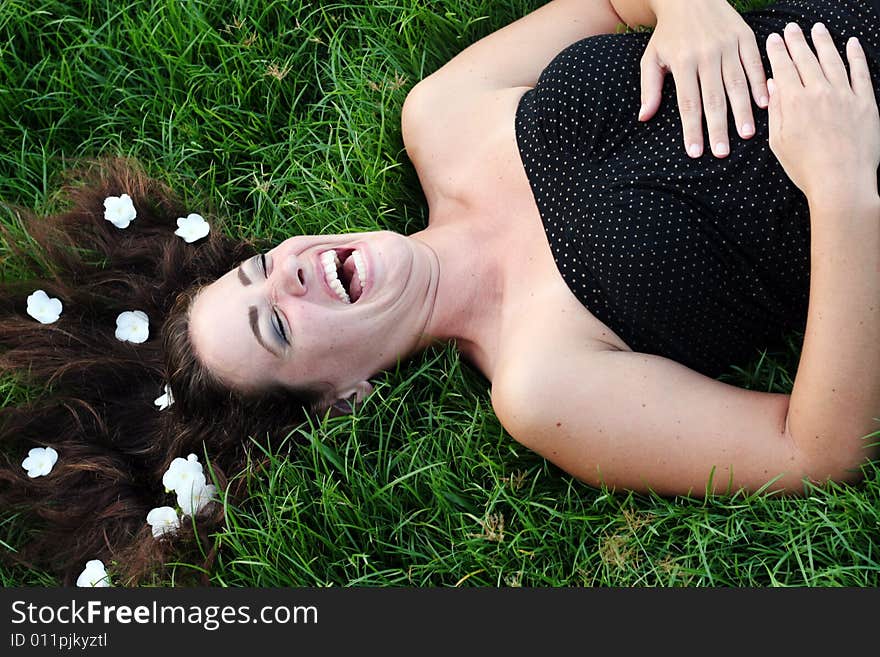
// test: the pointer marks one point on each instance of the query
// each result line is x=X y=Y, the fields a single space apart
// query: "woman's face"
x=287 y=316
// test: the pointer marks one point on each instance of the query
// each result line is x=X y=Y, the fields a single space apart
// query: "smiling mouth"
x=345 y=272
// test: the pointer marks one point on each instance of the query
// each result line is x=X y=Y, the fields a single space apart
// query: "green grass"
x=285 y=117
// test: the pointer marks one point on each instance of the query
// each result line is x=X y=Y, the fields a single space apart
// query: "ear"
x=349 y=399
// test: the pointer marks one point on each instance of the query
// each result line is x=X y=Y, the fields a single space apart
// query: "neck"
x=469 y=289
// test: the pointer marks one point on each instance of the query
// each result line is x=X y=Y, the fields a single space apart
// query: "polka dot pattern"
x=703 y=261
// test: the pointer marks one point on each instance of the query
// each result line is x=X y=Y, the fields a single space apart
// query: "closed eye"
x=278 y=325
x=277 y=322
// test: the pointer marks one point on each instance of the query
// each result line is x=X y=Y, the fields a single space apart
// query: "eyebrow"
x=255 y=327
x=253 y=314
x=242 y=276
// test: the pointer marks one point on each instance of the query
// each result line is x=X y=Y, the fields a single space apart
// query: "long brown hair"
x=91 y=396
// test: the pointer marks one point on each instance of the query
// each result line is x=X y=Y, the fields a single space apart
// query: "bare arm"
x=644 y=422
x=836 y=393
x=707 y=47
x=515 y=55
x=831 y=151
x=455 y=107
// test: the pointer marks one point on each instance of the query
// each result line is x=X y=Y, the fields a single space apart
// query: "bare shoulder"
x=451 y=137
x=524 y=389
x=549 y=338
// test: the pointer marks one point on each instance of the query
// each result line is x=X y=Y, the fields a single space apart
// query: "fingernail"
x=641 y=111
x=774 y=38
x=771 y=86
x=854 y=41
x=748 y=129
x=721 y=148
x=764 y=101
x=820 y=28
x=792 y=26
x=694 y=150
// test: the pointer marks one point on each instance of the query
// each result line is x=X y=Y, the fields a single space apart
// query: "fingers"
x=737 y=87
x=652 y=76
x=687 y=89
x=715 y=108
x=859 y=74
x=829 y=59
x=750 y=57
x=792 y=60
x=784 y=71
x=741 y=70
x=805 y=61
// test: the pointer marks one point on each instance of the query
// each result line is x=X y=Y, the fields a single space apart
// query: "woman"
x=609 y=371
x=565 y=382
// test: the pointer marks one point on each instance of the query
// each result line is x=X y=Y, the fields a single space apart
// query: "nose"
x=289 y=276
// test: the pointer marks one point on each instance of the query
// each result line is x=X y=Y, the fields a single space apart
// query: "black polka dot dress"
x=703 y=261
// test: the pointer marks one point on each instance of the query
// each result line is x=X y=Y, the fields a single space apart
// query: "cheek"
x=325 y=351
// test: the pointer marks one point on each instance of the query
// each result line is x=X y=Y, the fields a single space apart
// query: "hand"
x=713 y=55
x=824 y=124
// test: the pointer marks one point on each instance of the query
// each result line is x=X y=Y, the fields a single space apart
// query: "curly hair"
x=91 y=396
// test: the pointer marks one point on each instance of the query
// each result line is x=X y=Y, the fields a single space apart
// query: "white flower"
x=132 y=326
x=43 y=308
x=187 y=478
x=119 y=210
x=163 y=520
x=192 y=227
x=39 y=461
x=93 y=575
x=183 y=473
x=193 y=499
x=165 y=400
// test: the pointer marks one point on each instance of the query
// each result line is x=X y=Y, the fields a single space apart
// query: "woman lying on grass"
x=599 y=276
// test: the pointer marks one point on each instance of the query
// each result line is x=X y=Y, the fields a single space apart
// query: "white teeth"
x=336 y=286
x=330 y=262
x=360 y=267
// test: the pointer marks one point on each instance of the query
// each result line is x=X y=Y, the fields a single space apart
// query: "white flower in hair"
x=132 y=326
x=40 y=461
x=192 y=227
x=43 y=308
x=94 y=575
x=183 y=473
x=119 y=210
x=163 y=520
x=165 y=400
x=192 y=500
